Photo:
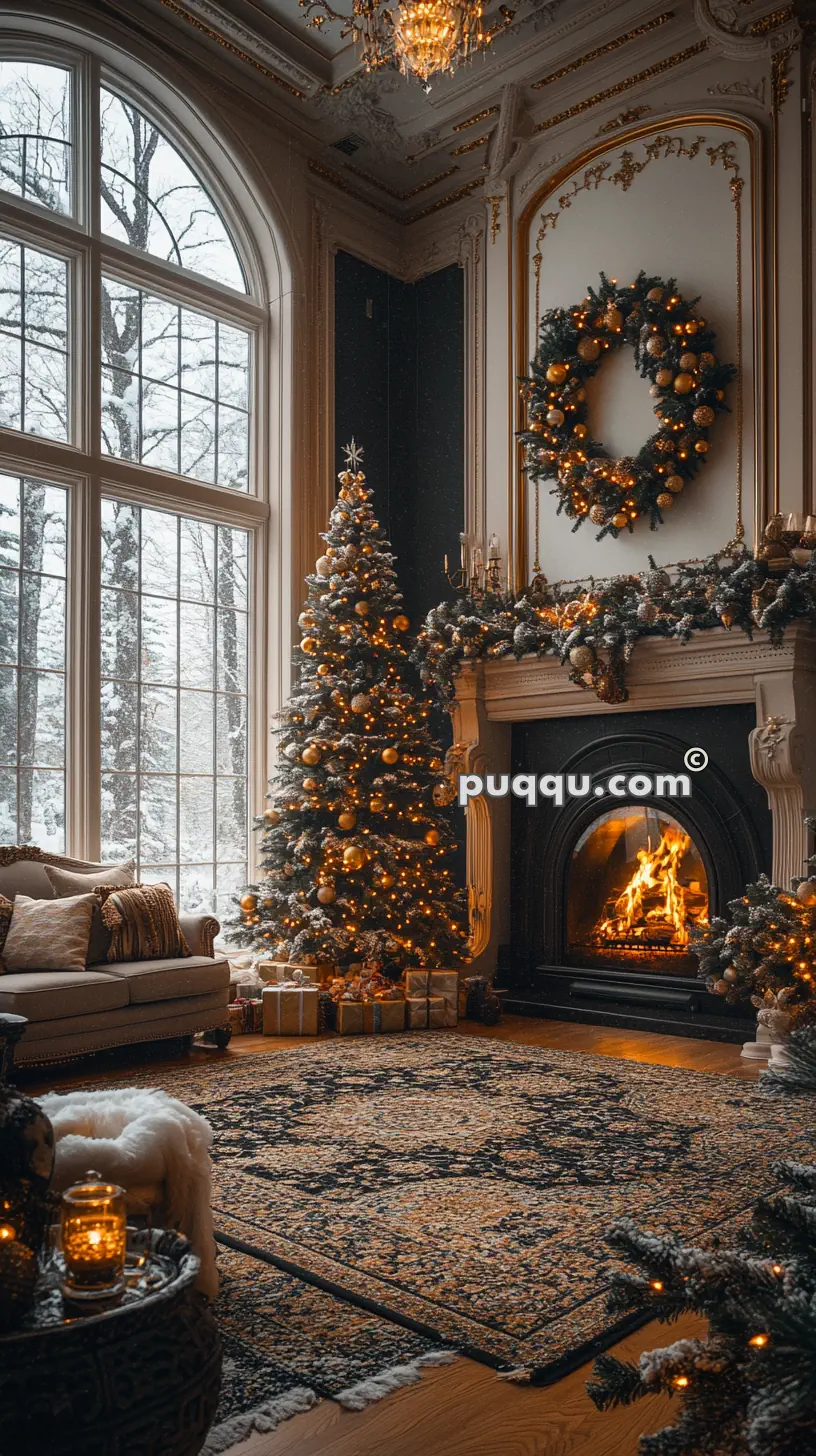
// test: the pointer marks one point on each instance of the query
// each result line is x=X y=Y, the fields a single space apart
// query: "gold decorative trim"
x=604 y=50
x=658 y=69
x=518 y=553
x=781 y=79
x=391 y=191
x=479 y=116
x=338 y=181
x=626 y=118
x=464 y=191
x=227 y=45
x=495 y=216
x=471 y=146
x=767 y=23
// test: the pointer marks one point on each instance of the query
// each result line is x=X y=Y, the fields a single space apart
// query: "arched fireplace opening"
x=636 y=884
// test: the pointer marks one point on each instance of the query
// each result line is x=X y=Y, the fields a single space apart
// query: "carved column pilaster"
x=471 y=240
x=777 y=755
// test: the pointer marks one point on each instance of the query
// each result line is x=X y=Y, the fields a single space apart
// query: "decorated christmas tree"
x=764 y=950
x=749 y=1387
x=357 y=841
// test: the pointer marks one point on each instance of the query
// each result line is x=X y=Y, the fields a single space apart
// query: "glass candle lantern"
x=94 y=1238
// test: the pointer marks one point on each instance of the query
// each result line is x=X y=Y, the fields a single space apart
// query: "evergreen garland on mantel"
x=594 y=627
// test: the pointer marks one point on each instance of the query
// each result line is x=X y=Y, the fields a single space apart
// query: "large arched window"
x=130 y=520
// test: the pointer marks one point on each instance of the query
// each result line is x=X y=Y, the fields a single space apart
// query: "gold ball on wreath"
x=664 y=378
x=619 y=520
x=327 y=895
x=674 y=483
x=401 y=623
x=347 y=819
x=389 y=755
x=704 y=415
x=588 y=349
x=354 y=857
x=311 y=754
x=655 y=295
x=665 y=501
x=248 y=903
x=683 y=384
x=613 y=319
x=362 y=609
x=557 y=373
x=689 y=361
x=309 y=644
x=702 y=447
x=376 y=803
x=432 y=836
x=598 y=515
x=692 y=326
x=656 y=346
x=707 y=361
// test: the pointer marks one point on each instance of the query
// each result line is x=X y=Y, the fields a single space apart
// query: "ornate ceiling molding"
x=721 y=23
x=246 y=45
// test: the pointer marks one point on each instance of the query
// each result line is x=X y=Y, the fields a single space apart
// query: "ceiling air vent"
x=350 y=144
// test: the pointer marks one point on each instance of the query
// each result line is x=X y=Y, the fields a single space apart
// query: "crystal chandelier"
x=421 y=37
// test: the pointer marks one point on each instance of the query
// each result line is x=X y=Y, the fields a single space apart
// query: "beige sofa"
x=109 y=1005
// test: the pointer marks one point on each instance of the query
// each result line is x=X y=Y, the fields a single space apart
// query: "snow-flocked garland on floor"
x=595 y=626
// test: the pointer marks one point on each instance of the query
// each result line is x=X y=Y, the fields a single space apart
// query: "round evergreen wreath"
x=675 y=349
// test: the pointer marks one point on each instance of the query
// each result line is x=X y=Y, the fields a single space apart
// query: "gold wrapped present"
x=423 y=1012
x=277 y=971
x=257 y=1013
x=290 y=1010
x=446 y=985
x=416 y=983
x=235 y=1014
x=350 y=1018
x=437 y=1010
x=383 y=1016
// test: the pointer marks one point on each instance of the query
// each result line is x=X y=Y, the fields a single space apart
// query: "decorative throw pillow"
x=77 y=882
x=6 y=909
x=49 y=935
x=143 y=922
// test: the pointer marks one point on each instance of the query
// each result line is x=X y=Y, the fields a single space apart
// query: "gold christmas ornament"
x=401 y=623
x=306 y=621
x=597 y=514
x=683 y=384
x=354 y=857
x=347 y=820
x=555 y=417
x=580 y=431
x=806 y=892
x=702 y=447
x=432 y=836
x=675 y=483
x=435 y=765
x=311 y=754
x=362 y=608
x=707 y=361
x=588 y=349
x=704 y=416
x=326 y=894
x=664 y=501
x=557 y=373
x=248 y=903
x=389 y=755
x=271 y=816
x=619 y=520
x=360 y=703
x=656 y=346
x=613 y=319
x=376 y=803
x=310 y=785
x=323 y=566
x=309 y=644
x=386 y=881
x=664 y=378
x=655 y=295
x=323 y=670
x=689 y=361
x=582 y=658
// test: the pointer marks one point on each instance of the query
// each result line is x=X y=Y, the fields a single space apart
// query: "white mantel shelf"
x=715 y=668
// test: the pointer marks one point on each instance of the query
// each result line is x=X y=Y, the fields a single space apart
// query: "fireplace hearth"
x=585 y=907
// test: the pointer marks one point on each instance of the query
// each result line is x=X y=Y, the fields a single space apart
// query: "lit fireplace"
x=636 y=884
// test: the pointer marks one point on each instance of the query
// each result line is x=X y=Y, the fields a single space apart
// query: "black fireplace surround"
x=727 y=816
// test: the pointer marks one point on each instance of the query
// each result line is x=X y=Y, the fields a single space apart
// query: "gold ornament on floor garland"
x=688 y=388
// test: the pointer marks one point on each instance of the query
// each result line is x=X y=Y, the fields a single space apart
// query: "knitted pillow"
x=143 y=922
x=48 y=935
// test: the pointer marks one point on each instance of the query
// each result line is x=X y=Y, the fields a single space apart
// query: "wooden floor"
x=463 y=1409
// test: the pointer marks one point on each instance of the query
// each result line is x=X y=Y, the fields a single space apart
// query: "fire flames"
x=655 y=905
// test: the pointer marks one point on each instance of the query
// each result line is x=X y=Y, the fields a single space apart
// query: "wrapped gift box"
x=350 y=1019
x=423 y=1012
x=279 y=971
x=436 y=983
x=381 y=1016
x=256 y=1007
x=235 y=1015
x=290 y=1010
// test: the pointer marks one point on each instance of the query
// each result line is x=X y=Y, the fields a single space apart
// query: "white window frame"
x=80 y=464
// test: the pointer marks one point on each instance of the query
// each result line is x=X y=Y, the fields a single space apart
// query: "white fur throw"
x=133 y=1136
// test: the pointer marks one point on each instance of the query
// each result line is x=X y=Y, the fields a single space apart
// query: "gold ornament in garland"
x=675 y=350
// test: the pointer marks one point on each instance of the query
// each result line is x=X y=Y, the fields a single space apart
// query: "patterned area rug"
x=464 y=1186
x=287 y=1344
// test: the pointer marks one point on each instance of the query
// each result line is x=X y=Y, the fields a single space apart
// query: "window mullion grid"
x=20 y=489
x=178 y=709
x=138 y=764
x=22 y=359
x=216 y=599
